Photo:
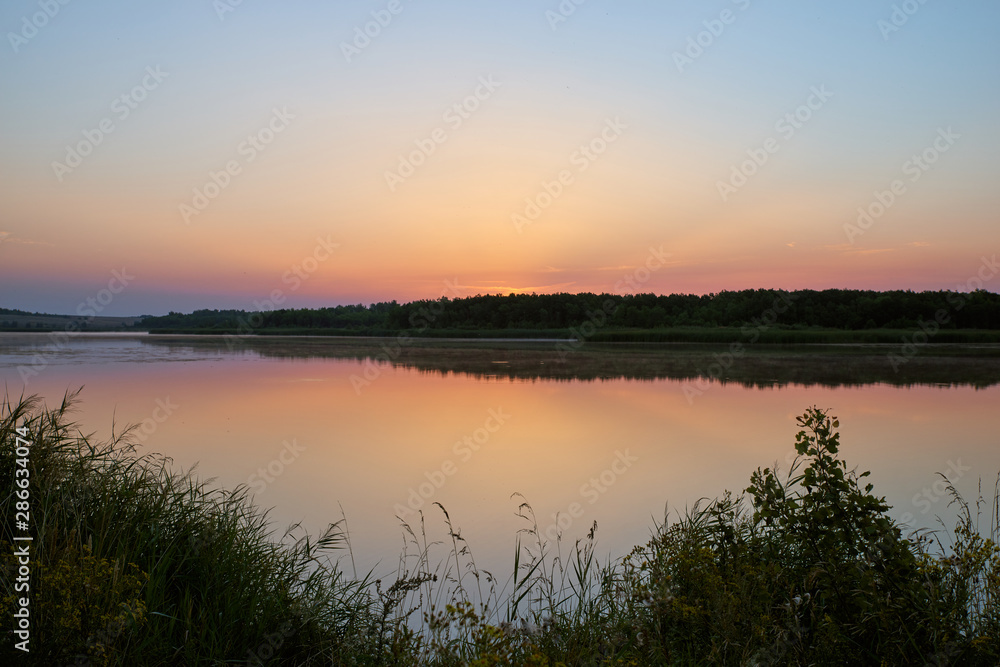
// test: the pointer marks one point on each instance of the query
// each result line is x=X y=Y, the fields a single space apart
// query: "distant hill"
x=21 y=320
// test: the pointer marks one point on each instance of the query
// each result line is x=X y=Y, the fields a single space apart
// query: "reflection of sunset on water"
x=470 y=442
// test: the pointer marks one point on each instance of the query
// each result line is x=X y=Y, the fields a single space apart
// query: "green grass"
x=134 y=563
x=778 y=335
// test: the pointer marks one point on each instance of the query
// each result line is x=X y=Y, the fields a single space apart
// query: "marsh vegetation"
x=137 y=563
x=758 y=365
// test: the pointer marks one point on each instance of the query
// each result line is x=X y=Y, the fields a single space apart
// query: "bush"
x=814 y=572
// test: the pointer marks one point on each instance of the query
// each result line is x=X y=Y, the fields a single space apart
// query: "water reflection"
x=448 y=425
x=753 y=366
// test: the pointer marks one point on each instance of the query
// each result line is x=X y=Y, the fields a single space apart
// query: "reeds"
x=134 y=563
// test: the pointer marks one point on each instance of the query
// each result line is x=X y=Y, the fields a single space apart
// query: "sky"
x=169 y=156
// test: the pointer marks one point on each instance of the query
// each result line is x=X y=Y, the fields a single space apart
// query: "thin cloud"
x=557 y=287
x=623 y=267
x=8 y=237
x=854 y=250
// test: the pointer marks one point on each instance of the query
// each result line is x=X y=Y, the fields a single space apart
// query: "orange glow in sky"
x=493 y=149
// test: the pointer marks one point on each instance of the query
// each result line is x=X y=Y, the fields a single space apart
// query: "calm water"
x=609 y=437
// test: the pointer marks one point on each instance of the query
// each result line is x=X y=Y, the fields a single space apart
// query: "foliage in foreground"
x=136 y=564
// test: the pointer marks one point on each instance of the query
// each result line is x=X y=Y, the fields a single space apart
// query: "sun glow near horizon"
x=546 y=157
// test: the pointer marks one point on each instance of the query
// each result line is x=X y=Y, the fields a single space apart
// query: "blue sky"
x=224 y=74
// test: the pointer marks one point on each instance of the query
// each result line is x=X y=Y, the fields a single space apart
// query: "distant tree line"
x=14 y=311
x=834 y=308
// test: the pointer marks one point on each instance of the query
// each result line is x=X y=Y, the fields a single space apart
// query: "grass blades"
x=135 y=563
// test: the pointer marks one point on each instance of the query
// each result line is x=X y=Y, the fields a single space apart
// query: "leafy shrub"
x=135 y=564
x=813 y=572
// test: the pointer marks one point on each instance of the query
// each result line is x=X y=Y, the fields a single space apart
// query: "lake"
x=380 y=428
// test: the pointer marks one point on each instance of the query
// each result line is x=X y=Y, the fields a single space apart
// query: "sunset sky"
x=215 y=154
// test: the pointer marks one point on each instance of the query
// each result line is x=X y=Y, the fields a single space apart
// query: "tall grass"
x=204 y=579
x=135 y=563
